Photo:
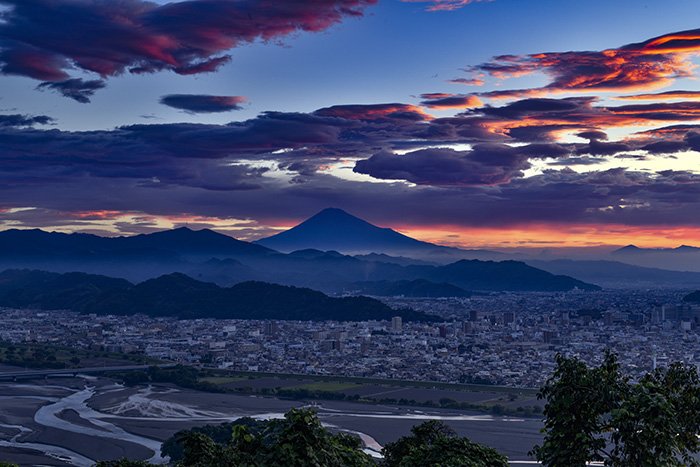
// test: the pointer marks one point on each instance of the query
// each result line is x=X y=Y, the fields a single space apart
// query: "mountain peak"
x=336 y=229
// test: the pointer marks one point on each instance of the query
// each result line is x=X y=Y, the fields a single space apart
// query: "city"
x=482 y=339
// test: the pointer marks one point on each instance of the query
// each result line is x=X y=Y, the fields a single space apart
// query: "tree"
x=434 y=443
x=298 y=440
x=598 y=414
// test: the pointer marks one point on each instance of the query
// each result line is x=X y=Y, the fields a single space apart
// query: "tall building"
x=396 y=324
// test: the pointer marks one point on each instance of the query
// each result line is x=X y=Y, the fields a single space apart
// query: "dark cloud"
x=594 y=135
x=47 y=39
x=17 y=120
x=450 y=101
x=375 y=112
x=199 y=103
x=225 y=170
x=485 y=164
x=75 y=88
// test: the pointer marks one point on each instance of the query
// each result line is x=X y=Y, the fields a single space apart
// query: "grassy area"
x=327 y=386
x=40 y=355
x=220 y=380
x=386 y=382
x=496 y=400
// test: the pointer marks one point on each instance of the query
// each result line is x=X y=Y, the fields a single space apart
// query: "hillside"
x=615 y=274
x=181 y=296
x=418 y=288
x=503 y=275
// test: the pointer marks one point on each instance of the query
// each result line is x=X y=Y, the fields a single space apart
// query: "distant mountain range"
x=212 y=257
x=336 y=230
x=181 y=296
x=613 y=274
x=682 y=258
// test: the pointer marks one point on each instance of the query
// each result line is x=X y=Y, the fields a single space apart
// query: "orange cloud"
x=445 y=101
x=663 y=96
x=648 y=65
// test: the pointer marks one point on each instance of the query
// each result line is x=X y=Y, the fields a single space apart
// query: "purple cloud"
x=199 y=103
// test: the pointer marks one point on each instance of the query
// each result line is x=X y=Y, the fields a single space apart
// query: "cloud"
x=660 y=96
x=442 y=101
x=486 y=164
x=651 y=64
x=48 y=39
x=468 y=81
x=198 y=103
x=75 y=88
x=375 y=112
x=443 y=5
x=278 y=165
x=17 y=120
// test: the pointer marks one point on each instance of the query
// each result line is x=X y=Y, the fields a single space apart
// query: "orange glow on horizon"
x=556 y=236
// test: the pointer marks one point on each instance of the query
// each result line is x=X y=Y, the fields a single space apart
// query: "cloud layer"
x=48 y=40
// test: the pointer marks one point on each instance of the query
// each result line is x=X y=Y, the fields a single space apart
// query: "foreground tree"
x=434 y=443
x=598 y=414
x=298 y=440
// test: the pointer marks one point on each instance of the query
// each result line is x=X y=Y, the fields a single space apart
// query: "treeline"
x=50 y=356
x=300 y=440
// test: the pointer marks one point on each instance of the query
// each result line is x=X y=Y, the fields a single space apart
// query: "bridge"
x=71 y=372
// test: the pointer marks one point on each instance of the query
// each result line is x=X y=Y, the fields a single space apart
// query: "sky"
x=501 y=123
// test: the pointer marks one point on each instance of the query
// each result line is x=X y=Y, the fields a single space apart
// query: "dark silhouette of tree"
x=434 y=443
x=598 y=414
x=298 y=440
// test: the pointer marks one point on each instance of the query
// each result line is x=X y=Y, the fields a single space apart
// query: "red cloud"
x=47 y=39
x=647 y=65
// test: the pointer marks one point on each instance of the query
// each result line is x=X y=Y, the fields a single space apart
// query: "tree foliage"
x=599 y=414
x=298 y=440
x=434 y=443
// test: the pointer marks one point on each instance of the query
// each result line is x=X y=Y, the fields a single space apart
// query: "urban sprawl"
x=505 y=339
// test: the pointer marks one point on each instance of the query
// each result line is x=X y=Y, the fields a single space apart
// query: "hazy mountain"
x=186 y=298
x=400 y=260
x=136 y=258
x=614 y=274
x=682 y=258
x=335 y=229
x=503 y=275
x=212 y=257
x=415 y=288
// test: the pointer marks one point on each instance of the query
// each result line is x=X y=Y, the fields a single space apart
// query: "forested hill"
x=181 y=296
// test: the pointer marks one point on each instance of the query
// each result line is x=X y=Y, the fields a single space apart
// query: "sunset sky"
x=502 y=123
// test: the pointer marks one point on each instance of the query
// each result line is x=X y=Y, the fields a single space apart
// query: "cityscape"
x=481 y=339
